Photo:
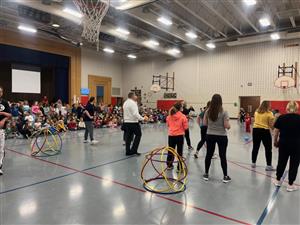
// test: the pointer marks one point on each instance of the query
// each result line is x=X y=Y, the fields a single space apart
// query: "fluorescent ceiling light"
x=28 y=29
x=72 y=12
x=131 y=56
x=55 y=25
x=211 y=45
x=264 y=22
x=275 y=36
x=153 y=42
x=173 y=51
x=165 y=21
x=108 y=50
x=250 y=2
x=191 y=35
x=122 y=31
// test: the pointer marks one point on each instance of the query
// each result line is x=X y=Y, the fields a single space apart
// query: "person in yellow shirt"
x=263 y=123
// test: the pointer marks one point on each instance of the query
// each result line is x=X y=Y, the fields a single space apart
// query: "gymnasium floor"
x=100 y=185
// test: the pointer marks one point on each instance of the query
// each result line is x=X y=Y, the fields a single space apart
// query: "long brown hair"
x=264 y=107
x=215 y=107
x=175 y=108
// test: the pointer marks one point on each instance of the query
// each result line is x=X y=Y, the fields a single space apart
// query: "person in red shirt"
x=248 y=123
x=177 y=125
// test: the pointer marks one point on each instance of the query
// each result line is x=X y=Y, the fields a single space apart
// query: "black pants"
x=175 y=141
x=211 y=141
x=187 y=137
x=264 y=136
x=132 y=130
x=203 y=137
x=288 y=150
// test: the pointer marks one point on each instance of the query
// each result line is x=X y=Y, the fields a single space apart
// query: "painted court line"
x=137 y=189
x=62 y=176
x=270 y=203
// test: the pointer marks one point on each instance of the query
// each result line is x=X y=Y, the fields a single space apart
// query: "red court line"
x=136 y=189
x=255 y=171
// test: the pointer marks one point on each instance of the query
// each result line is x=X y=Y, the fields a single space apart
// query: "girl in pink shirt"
x=177 y=124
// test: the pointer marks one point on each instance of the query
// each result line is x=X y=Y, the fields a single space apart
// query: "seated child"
x=81 y=124
x=72 y=125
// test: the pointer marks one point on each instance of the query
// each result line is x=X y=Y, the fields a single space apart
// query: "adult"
x=4 y=116
x=217 y=121
x=186 y=112
x=263 y=122
x=88 y=117
x=287 y=138
x=131 y=124
x=203 y=128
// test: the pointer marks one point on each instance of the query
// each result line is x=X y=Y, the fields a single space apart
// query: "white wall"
x=98 y=64
x=226 y=71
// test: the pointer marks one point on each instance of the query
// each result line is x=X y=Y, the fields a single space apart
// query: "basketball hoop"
x=285 y=82
x=155 y=88
x=93 y=13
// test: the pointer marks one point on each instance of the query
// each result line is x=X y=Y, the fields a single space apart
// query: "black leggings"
x=211 y=141
x=264 y=136
x=288 y=150
x=187 y=137
x=173 y=142
x=203 y=138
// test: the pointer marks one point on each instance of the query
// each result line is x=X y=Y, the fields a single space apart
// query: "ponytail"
x=173 y=111
x=176 y=108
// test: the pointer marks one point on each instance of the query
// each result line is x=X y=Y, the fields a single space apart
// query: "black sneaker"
x=190 y=148
x=205 y=177
x=137 y=154
x=196 y=155
x=226 y=179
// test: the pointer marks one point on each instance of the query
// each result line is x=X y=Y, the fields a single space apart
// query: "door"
x=100 y=93
x=250 y=103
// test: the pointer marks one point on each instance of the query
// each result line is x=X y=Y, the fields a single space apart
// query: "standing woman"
x=4 y=116
x=263 y=122
x=287 y=138
x=217 y=121
x=203 y=128
x=177 y=125
x=88 y=118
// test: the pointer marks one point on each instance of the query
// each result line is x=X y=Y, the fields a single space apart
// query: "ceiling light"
x=55 y=25
x=264 y=22
x=122 y=31
x=191 y=35
x=211 y=45
x=28 y=29
x=131 y=56
x=108 y=50
x=173 y=51
x=72 y=12
x=153 y=42
x=80 y=43
x=275 y=36
x=165 y=21
x=250 y=2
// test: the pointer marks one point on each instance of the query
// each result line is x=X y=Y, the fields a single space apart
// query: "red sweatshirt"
x=177 y=124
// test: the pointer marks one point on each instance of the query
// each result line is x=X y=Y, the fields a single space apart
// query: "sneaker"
x=215 y=156
x=276 y=182
x=124 y=143
x=226 y=179
x=196 y=155
x=253 y=165
x=190 y=148
x=1 y=172
x=269 y=168
x=137 y=154
x=93 y=142
x=291 y=188
x=205 y=177
x=85 y=141
x=170 y=167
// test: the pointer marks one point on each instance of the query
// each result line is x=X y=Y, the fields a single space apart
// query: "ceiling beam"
x=151 y=20
x=199 y=17
x=293 y=21
x=207 y=5
x=243 y=15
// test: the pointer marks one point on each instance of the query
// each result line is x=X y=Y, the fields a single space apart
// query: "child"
x=81 y=124
x=248 y=123
x=35 y=108
x=72 y=125
x=177 y=125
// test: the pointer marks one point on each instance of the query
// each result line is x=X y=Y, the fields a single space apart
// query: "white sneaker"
x=93 y=142
x=253 y=165
x=215 y=156
x=1 y=172
x=276 y=182
x=270 y=168
x=85 y=141
x=291 y=188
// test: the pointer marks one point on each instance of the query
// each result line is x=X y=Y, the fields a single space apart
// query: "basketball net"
x=93 y=13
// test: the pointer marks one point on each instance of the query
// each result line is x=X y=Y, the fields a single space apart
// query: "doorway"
x=250 y=103
x=100 y=93
x=100 y=88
